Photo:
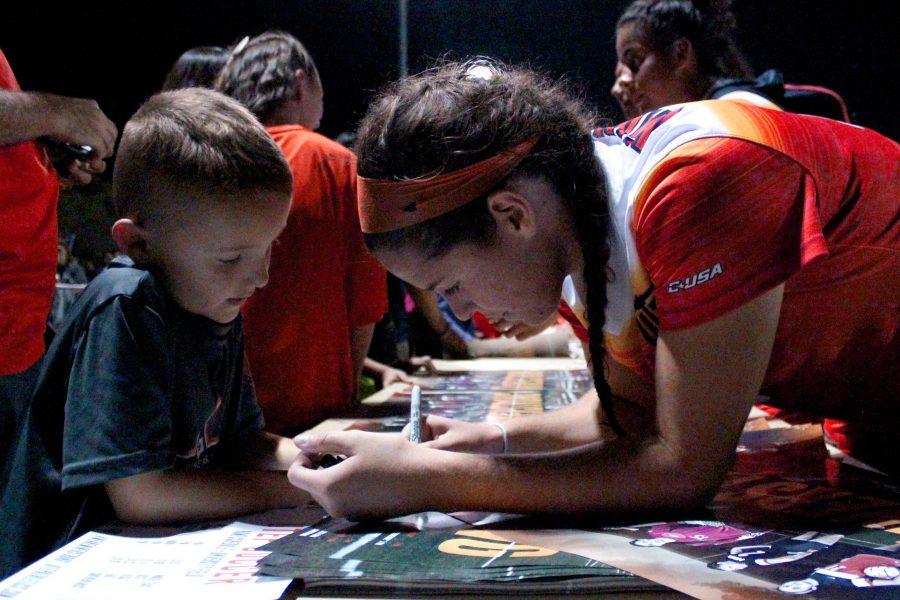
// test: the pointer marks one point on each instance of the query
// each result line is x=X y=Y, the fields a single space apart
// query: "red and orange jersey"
x=714 y=203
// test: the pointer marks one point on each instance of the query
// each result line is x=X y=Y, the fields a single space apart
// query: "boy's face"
x=212 y=256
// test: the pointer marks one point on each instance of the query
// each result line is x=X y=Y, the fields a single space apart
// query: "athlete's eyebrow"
x=433 y=286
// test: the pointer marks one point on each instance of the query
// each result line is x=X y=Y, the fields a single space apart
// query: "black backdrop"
x=119 y=52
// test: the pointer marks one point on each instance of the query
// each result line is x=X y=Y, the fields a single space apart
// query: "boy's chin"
x=223 y=315
x=226 y=316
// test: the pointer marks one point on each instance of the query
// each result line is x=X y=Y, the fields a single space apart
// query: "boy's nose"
x=261 y=275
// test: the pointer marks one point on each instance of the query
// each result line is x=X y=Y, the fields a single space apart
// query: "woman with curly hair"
x=714 y=251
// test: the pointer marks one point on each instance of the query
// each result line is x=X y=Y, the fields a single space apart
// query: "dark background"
x=119 y=52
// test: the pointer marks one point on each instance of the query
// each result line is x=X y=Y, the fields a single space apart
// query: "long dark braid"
x=449 y=117
x=589 y=209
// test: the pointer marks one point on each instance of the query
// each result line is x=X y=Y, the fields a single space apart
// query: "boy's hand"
x=381 y=476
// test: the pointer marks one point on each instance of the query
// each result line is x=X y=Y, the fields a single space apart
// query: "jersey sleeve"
x=118 y=418
x=719 y=222
x=366 y=278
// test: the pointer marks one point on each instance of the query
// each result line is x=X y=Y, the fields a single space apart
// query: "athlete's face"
x=623 y=91
x=515 y=278
x=657 y=79
x=498 y=281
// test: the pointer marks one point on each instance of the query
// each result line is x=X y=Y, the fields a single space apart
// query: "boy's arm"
x=161 y=497
x=264 y=451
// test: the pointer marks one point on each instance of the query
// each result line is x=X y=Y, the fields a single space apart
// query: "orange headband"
x=386 y=205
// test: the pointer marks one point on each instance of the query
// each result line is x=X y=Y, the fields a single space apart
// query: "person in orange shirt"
x=29 y=190
x=309 y=329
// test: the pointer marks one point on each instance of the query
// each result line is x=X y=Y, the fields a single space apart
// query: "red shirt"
x=29 y=190
x=322 y=284
x=719 y=214
x=727 y=220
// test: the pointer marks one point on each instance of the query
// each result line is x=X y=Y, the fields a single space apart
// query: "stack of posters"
x=396 y=559
x=790 y=521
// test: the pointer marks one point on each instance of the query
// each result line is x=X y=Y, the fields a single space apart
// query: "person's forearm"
x=568 y=427
x=373 y=367
x=615 y=477
x=264 y=451
x=174 y=496
x=360 y=339
x=24 y=116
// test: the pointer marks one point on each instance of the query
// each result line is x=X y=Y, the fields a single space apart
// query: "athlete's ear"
x=131 y=239
x=512 y=213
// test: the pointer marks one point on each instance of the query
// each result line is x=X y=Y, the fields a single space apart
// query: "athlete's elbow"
x=693 y=495
x=690 y=482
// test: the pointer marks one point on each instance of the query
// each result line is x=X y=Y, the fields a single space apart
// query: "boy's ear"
x=512 y=212
x=131 y=239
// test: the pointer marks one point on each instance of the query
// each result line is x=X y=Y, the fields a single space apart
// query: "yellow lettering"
x=485 y=545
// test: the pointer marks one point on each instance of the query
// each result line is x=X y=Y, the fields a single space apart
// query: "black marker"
x=329 y=460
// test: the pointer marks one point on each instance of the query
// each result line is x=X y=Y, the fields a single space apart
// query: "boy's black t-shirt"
x=132 y=384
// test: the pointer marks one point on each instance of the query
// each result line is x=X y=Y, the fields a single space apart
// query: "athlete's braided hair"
x=460 y=113
x=708 y=24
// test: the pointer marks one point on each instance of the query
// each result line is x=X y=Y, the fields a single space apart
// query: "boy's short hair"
x=261 y=74
x=192 y=143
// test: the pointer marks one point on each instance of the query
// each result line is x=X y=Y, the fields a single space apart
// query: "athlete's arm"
x=707 y=377
x=575 y=425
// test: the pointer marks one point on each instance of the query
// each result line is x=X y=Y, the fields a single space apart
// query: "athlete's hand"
x=442 y=433
x=383 y=474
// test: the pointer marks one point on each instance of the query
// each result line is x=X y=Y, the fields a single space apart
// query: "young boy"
x=142 y=410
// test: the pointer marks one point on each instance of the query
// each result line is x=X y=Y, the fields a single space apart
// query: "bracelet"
x=505 y=436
